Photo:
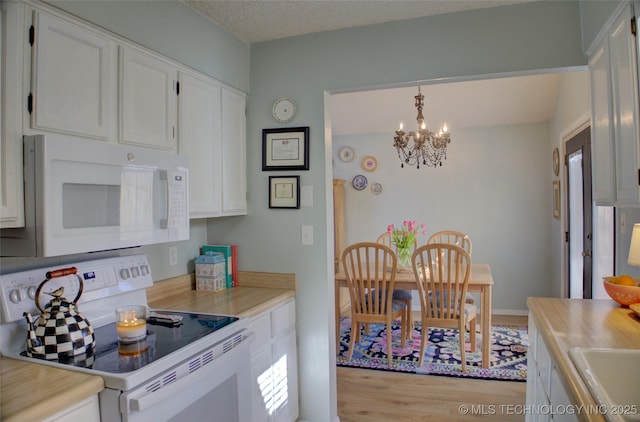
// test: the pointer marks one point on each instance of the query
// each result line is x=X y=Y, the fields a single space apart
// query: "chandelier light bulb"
x=401 y=126
x=444 y=128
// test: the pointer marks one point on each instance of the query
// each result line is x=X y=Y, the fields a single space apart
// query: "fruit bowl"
x=624 y=295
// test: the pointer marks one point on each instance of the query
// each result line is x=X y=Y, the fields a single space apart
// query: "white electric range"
x=191 y=371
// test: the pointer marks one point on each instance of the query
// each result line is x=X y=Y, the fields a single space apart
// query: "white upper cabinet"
x=614 y=98
x=12 y=41
x=624 y=82
x=201 y=140
x=212 y=134
x=234 y=177
x=603 y=163
x=148 y=100
x=61 y=74
x=73 y=78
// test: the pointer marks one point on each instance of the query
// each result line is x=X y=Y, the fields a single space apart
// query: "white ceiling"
x=473 y=103
x=264 y=20
x=515 y=100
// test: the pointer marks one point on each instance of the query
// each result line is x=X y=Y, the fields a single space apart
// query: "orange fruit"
x=626 y=280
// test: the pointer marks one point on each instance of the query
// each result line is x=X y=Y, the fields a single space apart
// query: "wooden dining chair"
x=399 y=294
x=442 y=275
x=457 y=238
x=370 y=270
x=452 y=237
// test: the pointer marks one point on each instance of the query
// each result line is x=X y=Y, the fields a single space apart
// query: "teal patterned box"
x=211 y=272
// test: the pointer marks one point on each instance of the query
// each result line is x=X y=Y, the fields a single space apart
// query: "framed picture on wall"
x=556 y=199
x=285 y=149
x=284 y=192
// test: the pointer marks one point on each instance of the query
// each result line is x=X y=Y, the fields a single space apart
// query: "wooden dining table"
x=480 y=280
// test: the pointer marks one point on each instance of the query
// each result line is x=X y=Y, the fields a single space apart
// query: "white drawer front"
x=261 y=326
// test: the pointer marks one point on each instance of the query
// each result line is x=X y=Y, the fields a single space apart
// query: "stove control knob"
x=135 y=272
x=124 y=273
x=31 y=292
x=144 y=269
x=15 y=296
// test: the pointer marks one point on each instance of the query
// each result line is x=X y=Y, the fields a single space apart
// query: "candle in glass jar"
x=131 y=323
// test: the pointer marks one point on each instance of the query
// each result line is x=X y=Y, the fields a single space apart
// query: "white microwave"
x=86 y=196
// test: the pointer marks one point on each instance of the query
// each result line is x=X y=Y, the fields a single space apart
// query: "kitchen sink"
x=613 y=377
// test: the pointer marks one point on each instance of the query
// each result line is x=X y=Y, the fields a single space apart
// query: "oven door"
x=197 y=389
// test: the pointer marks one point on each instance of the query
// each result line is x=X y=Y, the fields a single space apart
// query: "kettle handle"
x=60 y=273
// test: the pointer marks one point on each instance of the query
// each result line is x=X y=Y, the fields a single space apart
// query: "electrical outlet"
x=173 y=255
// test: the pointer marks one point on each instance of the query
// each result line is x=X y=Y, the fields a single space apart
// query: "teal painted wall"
x=531 y=37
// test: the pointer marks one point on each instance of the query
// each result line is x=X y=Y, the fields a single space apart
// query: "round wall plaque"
x=284 y=109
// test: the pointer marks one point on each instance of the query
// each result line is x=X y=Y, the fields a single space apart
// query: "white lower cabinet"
x=87 y=410
x=546 y=397
x=274 y=365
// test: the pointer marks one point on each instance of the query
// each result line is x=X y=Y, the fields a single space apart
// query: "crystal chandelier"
x=428 y=148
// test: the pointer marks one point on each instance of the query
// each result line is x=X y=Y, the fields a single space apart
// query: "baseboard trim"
x=522 y=312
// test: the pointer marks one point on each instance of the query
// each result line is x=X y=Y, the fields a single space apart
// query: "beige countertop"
x=567 y=323
x=31 y=392
x=25 y=388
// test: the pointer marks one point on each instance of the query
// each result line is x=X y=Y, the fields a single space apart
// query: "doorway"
x=590 y=228
x=579 y=215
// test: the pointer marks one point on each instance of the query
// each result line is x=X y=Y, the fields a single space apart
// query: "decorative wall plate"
x=359 y=182
x=284 y=109
x=556 y=161
x=376 y=188
x=369 y=163
x=346 y=154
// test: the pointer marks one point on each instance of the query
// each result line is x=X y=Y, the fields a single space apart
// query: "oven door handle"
x=220 y=364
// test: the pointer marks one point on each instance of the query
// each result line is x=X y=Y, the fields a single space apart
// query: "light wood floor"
x=371 y=396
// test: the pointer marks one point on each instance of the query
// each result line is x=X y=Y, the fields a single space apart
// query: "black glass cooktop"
x=112 y=356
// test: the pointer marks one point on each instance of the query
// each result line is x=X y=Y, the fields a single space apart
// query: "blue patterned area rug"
x=442 y=355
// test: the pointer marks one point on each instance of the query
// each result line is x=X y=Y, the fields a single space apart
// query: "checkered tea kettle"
x=61 y=331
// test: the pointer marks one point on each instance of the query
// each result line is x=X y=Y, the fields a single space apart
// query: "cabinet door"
x=625 y=106
x=12 y=30
x=72 y=79
x=200 y=139
x=603 y=165
x=285 y=377
x=559 y=400
x=87 y=410
x=148 y=100
x=262 y=386
x=234 y=177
